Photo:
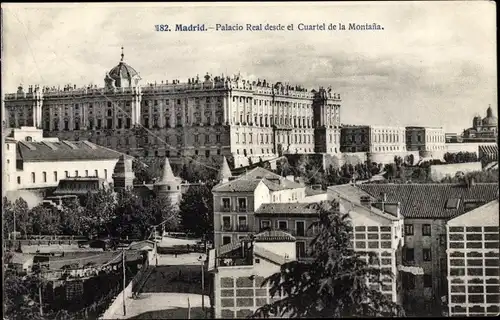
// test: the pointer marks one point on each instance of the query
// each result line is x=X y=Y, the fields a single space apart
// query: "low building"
x=34 y=162
x=240 y=270
x=426 y=208
x=21 y=262
x=473 y=260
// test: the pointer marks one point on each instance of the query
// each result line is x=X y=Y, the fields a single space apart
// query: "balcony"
x=243 y=228
x=225 y=209
x=227 y=228
x=242 y=209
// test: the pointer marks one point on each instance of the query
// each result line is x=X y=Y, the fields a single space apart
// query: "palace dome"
x=490 y=120
x=122 y=75
x=122 y=70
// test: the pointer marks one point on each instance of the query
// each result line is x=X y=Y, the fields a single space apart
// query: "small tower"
x=225 y=172
x=123 y=175
x=169 y=185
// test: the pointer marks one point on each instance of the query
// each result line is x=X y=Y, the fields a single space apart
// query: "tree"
x=8 y=216
x=21 y=214
x=70 y=217
x=130 y=218
x=45 y=221
x=162 y=209
x=21 y=297
x=334 y=284
x=98 y=212
x=196 y=210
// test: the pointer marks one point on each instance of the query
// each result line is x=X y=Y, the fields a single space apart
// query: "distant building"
x=240 y=270
x=426 y=208
x=482 y=130
x=473 y=255
x=428 y=141
x=34 y=162
x=205 y=117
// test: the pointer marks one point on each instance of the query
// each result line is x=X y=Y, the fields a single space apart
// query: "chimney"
x=366 y=201
x=383 y=200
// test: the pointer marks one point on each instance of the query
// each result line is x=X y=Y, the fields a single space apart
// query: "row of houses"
x=426 y=234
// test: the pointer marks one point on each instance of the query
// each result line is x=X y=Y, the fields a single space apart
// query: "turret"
x=168 y=184
x=225 y=171
x=123 y=175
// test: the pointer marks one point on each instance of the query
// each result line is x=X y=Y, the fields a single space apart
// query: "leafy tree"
x=283 y=167
x=21 y=299
x=21 y=214
x=196 y=210
x=162 y=209
x=8 y=216
x=70 y=217
x=130 y=217
x=98 y=212
x=45 y=220
x=334 y=284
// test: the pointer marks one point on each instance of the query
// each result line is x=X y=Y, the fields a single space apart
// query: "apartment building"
x=473 y=262
x=241 y=202
x=240 y=270
x=426 y=208
x=378 y=228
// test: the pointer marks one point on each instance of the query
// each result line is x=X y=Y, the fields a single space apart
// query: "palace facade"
x=202 y=118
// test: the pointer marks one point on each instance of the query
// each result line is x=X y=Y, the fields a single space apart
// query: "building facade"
x=202 y=118
x=473 y=262
x=483 y=129
x=380 y=143
x=378 y=228
x=34 y=162
x=428 y=141
x=240 y=201
x=426 y=208
x=240 y=270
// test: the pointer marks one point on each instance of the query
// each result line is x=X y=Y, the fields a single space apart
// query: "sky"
x=434 y=63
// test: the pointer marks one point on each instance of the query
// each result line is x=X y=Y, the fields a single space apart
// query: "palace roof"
x=64 y=151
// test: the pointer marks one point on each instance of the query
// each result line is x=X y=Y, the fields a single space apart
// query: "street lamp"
x=202 y=263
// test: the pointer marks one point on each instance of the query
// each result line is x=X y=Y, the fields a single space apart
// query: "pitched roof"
x=434 y=201
x=167 y=174
x=64 y=151
x=225 y=171
x=491 y=150
x=274 y=236
x=249 y=181
x=287 y=208
x=238 y=185
x=222 y=250
x=270 y=256
x=80 y=185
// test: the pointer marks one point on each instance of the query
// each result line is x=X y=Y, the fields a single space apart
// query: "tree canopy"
x=196 y=209
x=334 y=284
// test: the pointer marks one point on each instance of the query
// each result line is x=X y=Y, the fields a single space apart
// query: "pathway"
x=158 y=299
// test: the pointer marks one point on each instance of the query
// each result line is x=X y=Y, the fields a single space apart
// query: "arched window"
x=29 y=139
x=33 y=177
x=44 y=176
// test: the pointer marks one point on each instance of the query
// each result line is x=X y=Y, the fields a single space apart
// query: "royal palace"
x=246 y=121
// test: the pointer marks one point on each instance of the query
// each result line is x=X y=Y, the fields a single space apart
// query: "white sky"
x=434 y=64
